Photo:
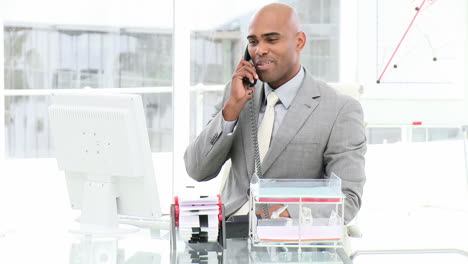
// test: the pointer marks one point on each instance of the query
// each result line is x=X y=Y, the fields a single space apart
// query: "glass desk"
x=410 y=256
x=60 y=246
x=238 y=251
x=56 y=245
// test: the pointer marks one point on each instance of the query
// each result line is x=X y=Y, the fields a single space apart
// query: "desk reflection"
x=89 y=250
x=238 y=251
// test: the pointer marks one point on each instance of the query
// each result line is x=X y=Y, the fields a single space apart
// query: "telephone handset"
x=248 y=58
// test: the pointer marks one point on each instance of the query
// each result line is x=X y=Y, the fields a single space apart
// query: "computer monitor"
x=101 y=143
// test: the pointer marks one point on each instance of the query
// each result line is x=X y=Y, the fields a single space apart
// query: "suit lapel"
x=302 y=106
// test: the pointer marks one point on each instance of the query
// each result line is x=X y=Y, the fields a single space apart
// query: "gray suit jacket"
x=322 y=132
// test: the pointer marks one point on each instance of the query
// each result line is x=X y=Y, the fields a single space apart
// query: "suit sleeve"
x=344 y=155
x=206 y=155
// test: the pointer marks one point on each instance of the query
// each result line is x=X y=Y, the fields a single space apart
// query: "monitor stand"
x=99 y=210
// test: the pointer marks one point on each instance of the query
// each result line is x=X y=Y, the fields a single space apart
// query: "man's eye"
x=272 y=40
x=252 y=42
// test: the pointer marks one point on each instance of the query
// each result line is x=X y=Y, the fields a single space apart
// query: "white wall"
x=404 y=112
x=349 y=51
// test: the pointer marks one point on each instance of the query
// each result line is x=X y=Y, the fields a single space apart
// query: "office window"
x=68 y=57
x=426 y=134
x=383 y=135
x=443 y=133
x=419 y=134
x=145 y=60
x=158 y=113
x=27 y=127
x=46 y=58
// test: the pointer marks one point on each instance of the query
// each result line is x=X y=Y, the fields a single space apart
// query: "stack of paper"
x=199 y=218
x=299 y=194
x=294 y=233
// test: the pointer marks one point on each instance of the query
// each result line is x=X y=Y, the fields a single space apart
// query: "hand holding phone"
x=242 y=89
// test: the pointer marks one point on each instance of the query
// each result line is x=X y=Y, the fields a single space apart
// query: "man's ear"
x=300 y=40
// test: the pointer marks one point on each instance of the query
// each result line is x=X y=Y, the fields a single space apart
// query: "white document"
x=198 y=207
x=194 y=221
x=306 y=233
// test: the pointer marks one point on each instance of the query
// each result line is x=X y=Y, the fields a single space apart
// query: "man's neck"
x=296 y=71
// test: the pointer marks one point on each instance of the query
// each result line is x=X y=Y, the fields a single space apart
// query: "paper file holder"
x=296 y=212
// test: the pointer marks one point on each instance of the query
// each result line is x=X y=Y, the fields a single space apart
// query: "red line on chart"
x=429 y=5
x=402 y=38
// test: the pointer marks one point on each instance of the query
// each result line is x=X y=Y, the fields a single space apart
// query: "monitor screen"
x=101 y=143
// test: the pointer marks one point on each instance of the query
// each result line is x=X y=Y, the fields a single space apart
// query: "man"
x=316 y=131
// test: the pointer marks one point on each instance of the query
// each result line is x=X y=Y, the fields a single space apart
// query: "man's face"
x=272 y=46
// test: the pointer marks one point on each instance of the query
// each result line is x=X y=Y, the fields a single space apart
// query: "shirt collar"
x=288 y=90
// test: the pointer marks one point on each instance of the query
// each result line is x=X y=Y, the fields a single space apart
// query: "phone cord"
x=253 y=126
x=258 y=163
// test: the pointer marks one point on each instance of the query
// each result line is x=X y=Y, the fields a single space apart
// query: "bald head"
x=275 y=43
x=278 y=13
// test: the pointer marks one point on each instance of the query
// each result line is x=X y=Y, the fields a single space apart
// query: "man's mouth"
x=263 y=64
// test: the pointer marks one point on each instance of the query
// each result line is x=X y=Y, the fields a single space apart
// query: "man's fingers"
x=243 y=63
x=247 y=71
x=251 y=70
x=244 y=74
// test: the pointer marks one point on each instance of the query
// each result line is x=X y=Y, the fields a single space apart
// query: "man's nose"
x=261 y=50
